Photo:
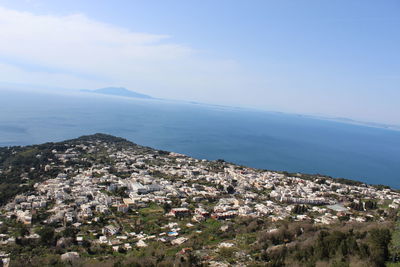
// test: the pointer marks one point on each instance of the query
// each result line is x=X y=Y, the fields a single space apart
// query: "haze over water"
x=254 y=138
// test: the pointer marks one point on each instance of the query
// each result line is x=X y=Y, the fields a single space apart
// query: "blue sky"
x=332 y=58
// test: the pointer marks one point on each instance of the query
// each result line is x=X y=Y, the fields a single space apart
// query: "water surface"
x=255 y=138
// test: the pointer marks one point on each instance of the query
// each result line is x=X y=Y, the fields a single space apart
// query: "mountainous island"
x=118 y=91
x=100 y=200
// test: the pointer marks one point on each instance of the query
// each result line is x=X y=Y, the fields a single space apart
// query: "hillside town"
x=127 y=198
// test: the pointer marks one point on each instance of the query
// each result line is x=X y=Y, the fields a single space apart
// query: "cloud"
x=76 y=51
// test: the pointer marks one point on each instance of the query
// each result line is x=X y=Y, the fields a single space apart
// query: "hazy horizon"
x=346 y=120
x=336 y=59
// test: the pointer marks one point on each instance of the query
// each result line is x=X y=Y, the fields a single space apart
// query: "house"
x=24 y=216
x=141 y=244
x=129 y=201
x=79 y=240
x=179 y=241
x=137 y=188
x=70 y=256
x=122 y=208
x=102 y=209
x=180 y=212
x=224 y=215
x=110 y=230
x=153 y=188
x=202 y=212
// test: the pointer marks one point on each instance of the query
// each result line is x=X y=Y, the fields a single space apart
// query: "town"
x=124 y=198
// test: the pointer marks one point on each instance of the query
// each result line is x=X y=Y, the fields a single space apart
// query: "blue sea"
x=259 y=139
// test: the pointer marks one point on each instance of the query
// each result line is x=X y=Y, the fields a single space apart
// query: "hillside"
x=103 y=200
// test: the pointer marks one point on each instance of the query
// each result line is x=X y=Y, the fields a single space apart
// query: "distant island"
x=118 y=91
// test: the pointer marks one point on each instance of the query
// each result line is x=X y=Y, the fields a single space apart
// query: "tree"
x=167 y=207
x=370 y=205
x=46 y=235
x=3 y=229
x=299 y=209
x=23 y=230
x=121 y=192
x=378 y=241
x=70 y=232
x=230 y=189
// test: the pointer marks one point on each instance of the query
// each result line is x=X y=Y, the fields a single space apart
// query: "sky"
x=336 y=58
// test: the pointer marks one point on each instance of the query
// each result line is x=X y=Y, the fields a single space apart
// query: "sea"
x=261 y=139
